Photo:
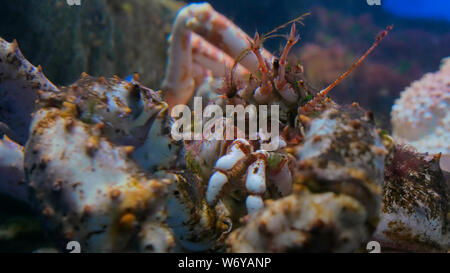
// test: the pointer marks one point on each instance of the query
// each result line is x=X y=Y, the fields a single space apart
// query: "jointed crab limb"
x=237 y=151
x=282 y=178
x=211 y=58
x=241 y=165
x=218 y=31
x=312 y=103
x=205 y=43
x=263 y=92
x=281 y=81
x=255 y=183
x=178 y=82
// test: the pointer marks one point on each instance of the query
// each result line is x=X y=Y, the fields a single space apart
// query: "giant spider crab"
x=256 y=77
x=97 y=160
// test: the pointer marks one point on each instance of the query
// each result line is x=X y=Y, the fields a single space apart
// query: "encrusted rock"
x=343 y=153
x=303 y=222
x=415 y=212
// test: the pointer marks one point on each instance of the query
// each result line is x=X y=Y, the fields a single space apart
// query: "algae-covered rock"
x=415 y=215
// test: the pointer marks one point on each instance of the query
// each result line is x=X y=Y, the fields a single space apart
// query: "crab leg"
x=215 y=28
x=237 y=151
x=212 y=58
x=321 y=95
x=282 y=178
x=256 y=182
x=200 y=74
x=285 y=90
x=223 y=33
x=281 y=81
x=178 y=82
x=263 y=92
x=207 y=61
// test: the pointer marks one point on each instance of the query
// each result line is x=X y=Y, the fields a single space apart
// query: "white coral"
x=421 y=116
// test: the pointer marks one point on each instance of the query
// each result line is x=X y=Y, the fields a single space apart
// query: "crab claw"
x=215 y=185
x=292 y=36
x=254 y=203
x=293 y=39
x=237 y=151
x=256 y=182
x=255 y=40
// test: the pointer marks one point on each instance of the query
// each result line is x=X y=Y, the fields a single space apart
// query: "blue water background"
x=436 y=9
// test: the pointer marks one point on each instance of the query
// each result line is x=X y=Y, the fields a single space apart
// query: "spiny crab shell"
x=20 y=82
x=101 y=167
x=344 y=152
x=87 y=187
x=337 y=189
x=95 y=160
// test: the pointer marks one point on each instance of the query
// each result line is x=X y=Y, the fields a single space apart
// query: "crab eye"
x=135 y=100
x=135 y=93
x=276 y=64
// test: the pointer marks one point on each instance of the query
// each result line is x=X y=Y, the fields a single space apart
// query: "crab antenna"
x=308 y=106
x=357 y=63
x=296 y=20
